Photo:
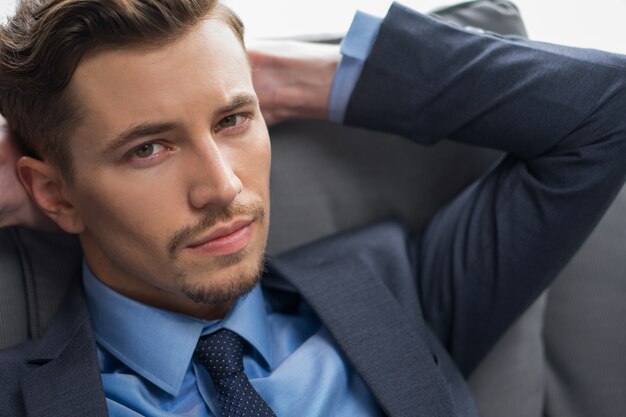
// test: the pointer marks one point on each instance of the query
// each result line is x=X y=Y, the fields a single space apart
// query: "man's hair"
x=41 y=46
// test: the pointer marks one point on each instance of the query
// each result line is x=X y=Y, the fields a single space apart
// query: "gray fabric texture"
x=585 y=327
x=511 y=379
x=36 y=269
x=326 y=178
x=497 y=16
x=50 y=262
x=13 y=306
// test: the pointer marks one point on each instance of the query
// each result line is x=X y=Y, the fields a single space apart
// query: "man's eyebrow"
x=138 y=131
x=237 y=102
x=147 y=129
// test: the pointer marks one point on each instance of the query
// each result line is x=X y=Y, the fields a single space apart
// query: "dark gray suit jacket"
x=414 y=312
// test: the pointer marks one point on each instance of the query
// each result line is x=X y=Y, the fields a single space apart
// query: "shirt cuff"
x=355 y=48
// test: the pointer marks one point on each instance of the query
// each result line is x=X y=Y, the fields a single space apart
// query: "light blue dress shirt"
x=355 y=48
x=145 y=353
x=145 y=357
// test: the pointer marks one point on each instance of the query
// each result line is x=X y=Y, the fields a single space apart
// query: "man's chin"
x=219 y=294
x=236 y=280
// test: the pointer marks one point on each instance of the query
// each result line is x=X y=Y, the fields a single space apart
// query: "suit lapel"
x=372 y=330
x=63 y=377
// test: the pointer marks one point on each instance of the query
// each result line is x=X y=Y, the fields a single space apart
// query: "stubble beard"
x=229 y=287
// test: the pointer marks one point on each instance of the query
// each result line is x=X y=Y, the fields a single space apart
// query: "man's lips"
x=225 y=239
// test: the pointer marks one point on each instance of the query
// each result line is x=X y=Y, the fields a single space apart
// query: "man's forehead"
x=209 y=48
x=207 y=67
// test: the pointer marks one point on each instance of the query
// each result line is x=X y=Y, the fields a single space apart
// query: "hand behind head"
x=293 y=79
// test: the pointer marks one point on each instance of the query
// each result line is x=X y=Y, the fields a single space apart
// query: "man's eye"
x=147 y=150
x=230 y=121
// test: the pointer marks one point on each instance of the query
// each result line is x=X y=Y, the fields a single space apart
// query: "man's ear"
x=48 y=189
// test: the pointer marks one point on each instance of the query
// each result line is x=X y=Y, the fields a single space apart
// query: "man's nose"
x=214 y=181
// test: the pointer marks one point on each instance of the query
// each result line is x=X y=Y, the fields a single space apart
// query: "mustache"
x=211 y=218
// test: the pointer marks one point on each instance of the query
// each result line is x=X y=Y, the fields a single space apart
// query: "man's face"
x=171 y=170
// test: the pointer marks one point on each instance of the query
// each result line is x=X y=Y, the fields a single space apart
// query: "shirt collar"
x=159 y=344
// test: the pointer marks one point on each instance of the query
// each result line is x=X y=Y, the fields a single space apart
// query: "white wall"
x=6 y=7
x=598 y=24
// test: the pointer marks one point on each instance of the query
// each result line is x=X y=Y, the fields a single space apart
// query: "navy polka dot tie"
x=222 y=355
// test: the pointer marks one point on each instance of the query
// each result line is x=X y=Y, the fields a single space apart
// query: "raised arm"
x=560 y=113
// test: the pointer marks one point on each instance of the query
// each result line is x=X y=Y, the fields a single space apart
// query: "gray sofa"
x=566 y=357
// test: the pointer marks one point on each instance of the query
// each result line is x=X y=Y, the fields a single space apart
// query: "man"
x=147 y=141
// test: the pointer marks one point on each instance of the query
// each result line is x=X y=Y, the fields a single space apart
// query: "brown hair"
x=41 y=46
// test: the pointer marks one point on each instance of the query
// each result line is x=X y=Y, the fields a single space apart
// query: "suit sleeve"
x=560 y=115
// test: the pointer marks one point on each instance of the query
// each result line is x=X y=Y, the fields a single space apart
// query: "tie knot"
x=221 y=353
